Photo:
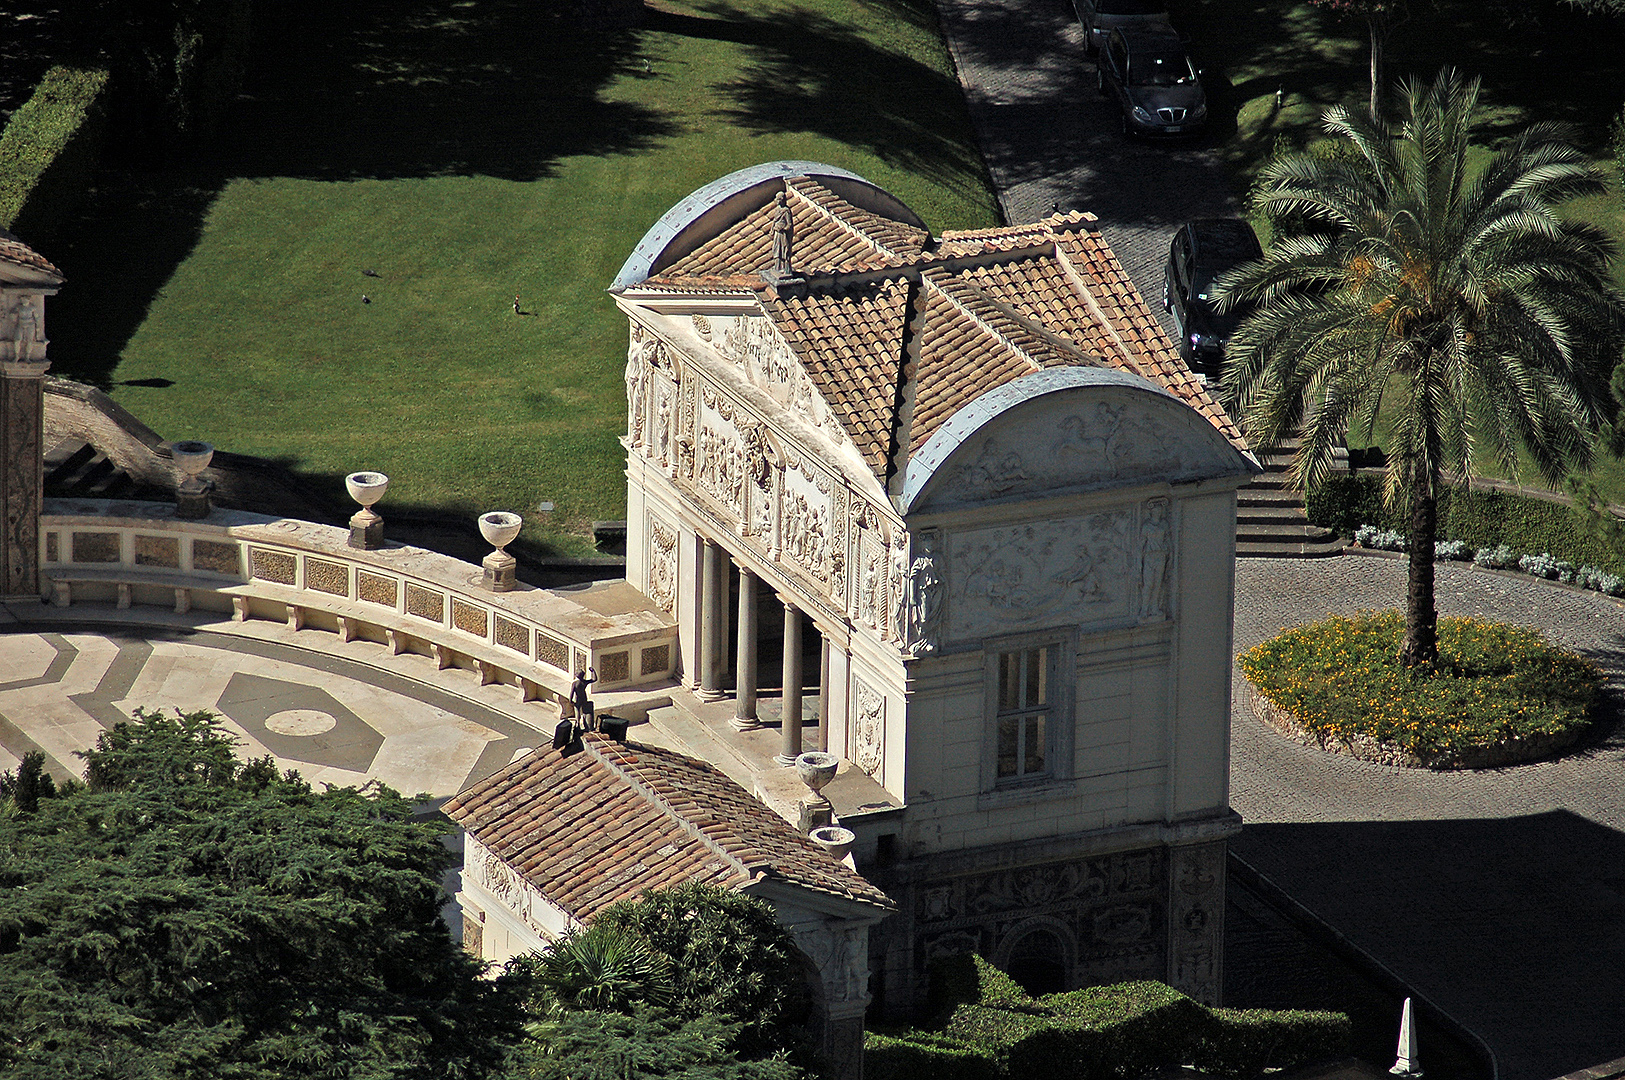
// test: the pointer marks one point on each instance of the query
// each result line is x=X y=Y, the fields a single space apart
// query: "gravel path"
x=1498 y=894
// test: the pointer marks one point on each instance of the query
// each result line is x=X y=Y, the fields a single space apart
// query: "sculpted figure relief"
x=923 y=602
x=1155 y=551
x=635 y=369
x=1023 y=573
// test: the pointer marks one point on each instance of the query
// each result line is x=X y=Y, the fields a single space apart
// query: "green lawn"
x=1563 y=66
x=467 y=151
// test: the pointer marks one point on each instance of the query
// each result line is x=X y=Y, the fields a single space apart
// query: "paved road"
x=1499 y=894
x=1050 y=139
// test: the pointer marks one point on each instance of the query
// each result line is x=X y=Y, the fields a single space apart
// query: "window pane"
x=1008 y=745
x=1037 y=672
x=1034 y=761
x=1009 y=681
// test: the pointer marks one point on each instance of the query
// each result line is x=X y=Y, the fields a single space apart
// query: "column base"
x=709 y=695
x=746 y=723
x=787 y=762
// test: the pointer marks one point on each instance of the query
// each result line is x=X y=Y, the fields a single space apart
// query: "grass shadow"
x=376 y=89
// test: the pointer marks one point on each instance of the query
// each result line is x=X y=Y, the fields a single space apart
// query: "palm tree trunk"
x=1421 y=644
x=1379 y=34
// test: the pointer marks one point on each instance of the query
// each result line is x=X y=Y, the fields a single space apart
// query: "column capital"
x=789 y=602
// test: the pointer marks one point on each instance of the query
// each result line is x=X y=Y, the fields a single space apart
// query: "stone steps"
x=1270 y=517
x=74 y=469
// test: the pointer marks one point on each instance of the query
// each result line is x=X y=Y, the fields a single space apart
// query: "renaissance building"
x=968 y=479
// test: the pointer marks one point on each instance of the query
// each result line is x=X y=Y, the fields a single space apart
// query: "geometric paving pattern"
x=334 y=720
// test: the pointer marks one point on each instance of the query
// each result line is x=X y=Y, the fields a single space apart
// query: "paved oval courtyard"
x=1498 y=894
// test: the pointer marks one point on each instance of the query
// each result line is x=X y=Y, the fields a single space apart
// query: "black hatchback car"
x=1154 y=82
x=1200 y=252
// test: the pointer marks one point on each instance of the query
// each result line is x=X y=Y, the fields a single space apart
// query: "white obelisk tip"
x=1405 y=1063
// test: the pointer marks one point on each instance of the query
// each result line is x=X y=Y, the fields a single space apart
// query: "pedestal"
x=816 y=812
x=366 y=531
x=499 y=573
x=194 y=505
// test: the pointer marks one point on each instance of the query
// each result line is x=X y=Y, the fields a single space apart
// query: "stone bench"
x=126 y=578
x=491 y=663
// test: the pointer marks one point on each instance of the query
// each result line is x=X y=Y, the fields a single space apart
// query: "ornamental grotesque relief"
x=1196 y=915
x=868 y=728
x=662 y=570
x=1071 y=569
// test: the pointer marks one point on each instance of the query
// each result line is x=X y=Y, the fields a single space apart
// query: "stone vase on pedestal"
x=499 y=529
x=192 y=491
x=366 y=527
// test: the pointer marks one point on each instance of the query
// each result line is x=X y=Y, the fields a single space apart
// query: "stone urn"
x=816 y=770
x=366 y=527
x=499 y=529
x=834 y=839
x=192 y=492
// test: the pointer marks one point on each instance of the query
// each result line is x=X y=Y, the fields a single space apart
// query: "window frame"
x=1061 y=679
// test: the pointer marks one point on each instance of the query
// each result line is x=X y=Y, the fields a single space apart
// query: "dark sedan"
x=1200 y=252
x=1154 y=82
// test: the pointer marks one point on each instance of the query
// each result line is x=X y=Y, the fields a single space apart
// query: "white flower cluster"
x=1501 y=557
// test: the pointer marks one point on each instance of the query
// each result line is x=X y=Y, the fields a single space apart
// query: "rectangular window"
x=1024 y=713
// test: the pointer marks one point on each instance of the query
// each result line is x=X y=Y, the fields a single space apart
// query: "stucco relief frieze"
x=1074 y=569
x=868 y=750
x=756 y=348
x=500 y=880
x=841 y=955
x=662 y=560
x=1109 y=906
x=1196 y=911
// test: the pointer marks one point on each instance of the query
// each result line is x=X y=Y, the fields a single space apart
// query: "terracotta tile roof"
x=829 y=235
x=605 y=824
x=13 y=250
x=976 y=310
x=852 y=348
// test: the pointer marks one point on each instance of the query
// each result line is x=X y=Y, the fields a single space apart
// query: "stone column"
x=823 y=694
x=22 y=489
x=790 y=748
x=745 y=718
x=710 y=688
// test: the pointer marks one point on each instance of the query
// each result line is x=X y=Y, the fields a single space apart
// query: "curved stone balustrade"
x=260 y=567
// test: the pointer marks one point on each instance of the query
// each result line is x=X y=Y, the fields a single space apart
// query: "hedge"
x=50 y=149
x=989 y=1029
x=1481 y=519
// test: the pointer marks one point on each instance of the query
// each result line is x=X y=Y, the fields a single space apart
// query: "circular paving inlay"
x=300 y=722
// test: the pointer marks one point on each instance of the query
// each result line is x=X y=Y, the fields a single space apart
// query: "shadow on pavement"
x=1513 y=925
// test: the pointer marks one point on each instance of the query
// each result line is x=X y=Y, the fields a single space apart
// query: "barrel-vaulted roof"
x=899 y=330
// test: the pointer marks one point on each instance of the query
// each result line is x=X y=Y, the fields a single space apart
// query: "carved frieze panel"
x=661 y=586
x=868 y=750
x=869 y=603
x=499 y=879
x=756 y=348
x=1110 y=908
x=806 y=520
x=1196 y=919
x=722 y=470
x=1064 y=444
x=1075 y=570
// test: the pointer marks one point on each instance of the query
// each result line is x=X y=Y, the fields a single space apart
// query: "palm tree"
x=603 y=968
x=1402 y=268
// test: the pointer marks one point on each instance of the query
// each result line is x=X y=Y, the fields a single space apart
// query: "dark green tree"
x=187 y=915
x=647 y=1043
x=1407 y=271
x=29 y=784
x=730 y=956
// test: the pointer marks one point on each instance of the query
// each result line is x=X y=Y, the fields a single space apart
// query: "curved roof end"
x=691 y=221
x=962 y=425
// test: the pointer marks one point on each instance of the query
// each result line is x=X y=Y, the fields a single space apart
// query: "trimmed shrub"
x=1478 y=519
x=1243 y=1043
x=920 y=1055
x=1494 y=686
x=991 y=1029
x=50 y=149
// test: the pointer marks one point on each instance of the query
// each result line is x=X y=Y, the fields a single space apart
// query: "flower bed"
x=1498 y=694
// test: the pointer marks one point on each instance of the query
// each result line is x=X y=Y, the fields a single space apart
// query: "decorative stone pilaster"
x=1196 y=919
x=840 y=952
x=22 y=489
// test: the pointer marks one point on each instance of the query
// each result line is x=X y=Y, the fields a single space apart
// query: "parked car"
x=1101 y=17
x=1156 y=86
x=1200 y=252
